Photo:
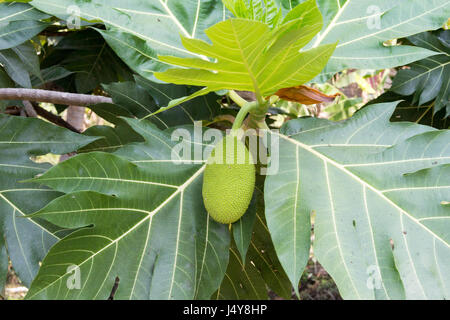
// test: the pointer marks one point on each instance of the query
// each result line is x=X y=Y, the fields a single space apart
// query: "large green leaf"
x=421 y=114
x=50 y=74
x=6 y=82
x=142 y=98
x=131 y=26
x=379 y=191
x=19 y=22
x=112 y=138
x=88 y=56
x=20 y=62
x=16 y=11
x=407 y=111
x=257 y=58
x=243 y=229
x=361 y=27
x=28 y=240
x=262 y=254
x=242 y=281
x=427 y=79
x=14 y=33
x=142 y=220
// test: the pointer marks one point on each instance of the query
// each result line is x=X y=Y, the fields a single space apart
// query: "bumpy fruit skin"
x=228 y=183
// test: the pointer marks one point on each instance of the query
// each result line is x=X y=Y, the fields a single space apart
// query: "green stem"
x=258 y=110
x=249 y=106
x=260 y=99
x=237 y=98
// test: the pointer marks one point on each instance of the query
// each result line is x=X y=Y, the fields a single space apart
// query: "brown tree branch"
x=13 y=110
x=54 y=118
x=56 y=97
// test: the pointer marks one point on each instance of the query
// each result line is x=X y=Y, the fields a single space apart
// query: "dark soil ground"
x=14 y=290
x=316 y=284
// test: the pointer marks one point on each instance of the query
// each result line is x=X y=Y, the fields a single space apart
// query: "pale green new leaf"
x=28 y=240
x=141 y=219
x=361 y=27
x=250 y=56
x=265 y=11
x=378 y=190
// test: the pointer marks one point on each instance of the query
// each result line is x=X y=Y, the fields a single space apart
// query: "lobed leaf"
x=140 y=218
x=257 y=59
x=377 y=189
x=28 y=240
x=362 y=27
x=131 y=25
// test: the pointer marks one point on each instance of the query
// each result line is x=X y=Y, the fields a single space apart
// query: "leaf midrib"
x=16 y=14
x=244 y=59
x=362 y=182
x=23 y=214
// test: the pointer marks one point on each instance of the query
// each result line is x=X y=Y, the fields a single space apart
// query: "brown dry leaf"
x=305 y=95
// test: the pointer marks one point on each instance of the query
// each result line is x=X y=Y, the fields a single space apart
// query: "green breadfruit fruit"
x=229 y=180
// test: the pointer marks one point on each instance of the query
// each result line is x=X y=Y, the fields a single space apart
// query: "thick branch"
x=56 y=97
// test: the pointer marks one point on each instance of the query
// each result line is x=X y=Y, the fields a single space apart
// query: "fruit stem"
x=237 y=98
x=258 y=110
x=249 y=106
